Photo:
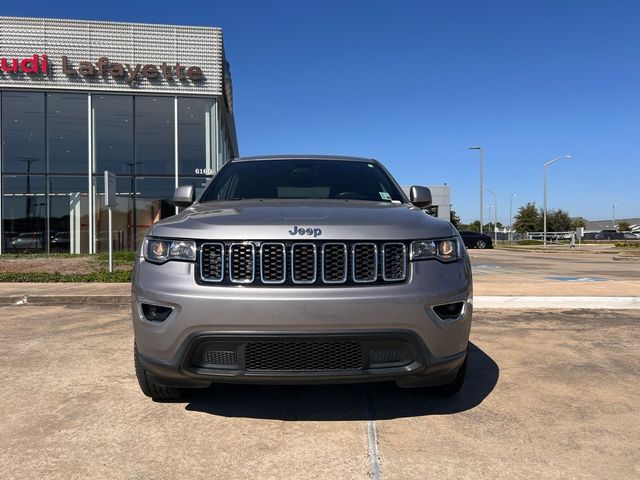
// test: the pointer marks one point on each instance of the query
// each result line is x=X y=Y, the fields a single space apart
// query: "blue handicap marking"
x=578 y=279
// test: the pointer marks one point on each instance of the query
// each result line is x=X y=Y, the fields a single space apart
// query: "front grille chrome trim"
x=375 y=263
x=315 y=264
x=404 y=262
x=284 y=264
x=222 y=252
x=323 y=261
x=253 y=262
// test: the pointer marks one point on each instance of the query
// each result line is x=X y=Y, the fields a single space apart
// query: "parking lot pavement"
x=508 y=272
x=549 y=395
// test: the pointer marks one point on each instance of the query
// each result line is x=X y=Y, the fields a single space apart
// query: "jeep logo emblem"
x=296 y=230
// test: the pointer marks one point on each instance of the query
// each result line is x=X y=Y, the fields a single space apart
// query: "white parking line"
x=532 y=302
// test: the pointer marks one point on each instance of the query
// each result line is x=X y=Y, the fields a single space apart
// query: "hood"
x=317 y=219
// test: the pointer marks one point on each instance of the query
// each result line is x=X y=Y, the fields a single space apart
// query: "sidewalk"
x=64 y=293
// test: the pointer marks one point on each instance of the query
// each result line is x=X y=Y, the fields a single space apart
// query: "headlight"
x=447 y=250
x=159 y=250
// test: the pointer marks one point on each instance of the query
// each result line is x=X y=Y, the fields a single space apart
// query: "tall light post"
x=613 y=216
x=511 y=195
x=477 y=147
x=489 y=206
x=495 y=215
x=550 y=162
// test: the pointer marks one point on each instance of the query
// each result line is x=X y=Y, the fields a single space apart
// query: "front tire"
x=481 y=244
x=150 y=385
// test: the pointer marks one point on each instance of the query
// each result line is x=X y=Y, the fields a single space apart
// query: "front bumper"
x=372 y=356
x=234 y=316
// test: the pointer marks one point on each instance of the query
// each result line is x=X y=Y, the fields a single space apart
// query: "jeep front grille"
x=302 y=263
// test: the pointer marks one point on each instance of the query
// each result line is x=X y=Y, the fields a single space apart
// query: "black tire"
x=481 y=244
x=150 y=386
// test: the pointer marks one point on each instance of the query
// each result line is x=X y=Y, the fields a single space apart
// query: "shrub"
x=530 y=242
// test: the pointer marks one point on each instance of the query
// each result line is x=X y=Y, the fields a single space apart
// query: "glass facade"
x=56 y=147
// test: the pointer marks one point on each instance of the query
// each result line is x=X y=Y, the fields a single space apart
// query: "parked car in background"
x=609 y=235
x=27 y=241
x=60 y=242
x=476 y=239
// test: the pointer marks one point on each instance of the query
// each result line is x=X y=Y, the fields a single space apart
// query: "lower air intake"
x=304 y=356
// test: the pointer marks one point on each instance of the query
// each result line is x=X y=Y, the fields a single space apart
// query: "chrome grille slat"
x=394 y=262
x=242 y=262
x=302 y=263
x=334 y=262
x=364 y=260
x=212 y=262
x=273 y=263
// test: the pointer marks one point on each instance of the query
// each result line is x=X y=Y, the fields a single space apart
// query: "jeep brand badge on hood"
x=296 y=230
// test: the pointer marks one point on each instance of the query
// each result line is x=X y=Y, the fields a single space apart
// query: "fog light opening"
x=449 y=311
x=155 y=313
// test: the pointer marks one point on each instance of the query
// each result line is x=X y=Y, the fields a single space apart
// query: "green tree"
x=454 y=219
x=472 y=227
x=559 y=221
x=528 y=219
x=623 y=226
x=578 y=222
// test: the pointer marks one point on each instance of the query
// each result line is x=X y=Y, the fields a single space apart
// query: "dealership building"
x=150 y=103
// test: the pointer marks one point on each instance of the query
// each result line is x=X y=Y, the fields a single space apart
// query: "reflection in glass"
x=23 y=132
x=24 y=210
x=67 y=132
x=68 y=215
x=113 y=133
x=154 y=135
x=123 y=215
x=154 y=201
x=192 y=134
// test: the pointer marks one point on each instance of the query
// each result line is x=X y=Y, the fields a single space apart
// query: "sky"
x=414 y=83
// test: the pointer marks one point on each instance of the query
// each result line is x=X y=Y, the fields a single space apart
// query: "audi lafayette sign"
x=130 y=72
x=26 y=65
x=105 y=56
x=127 y=72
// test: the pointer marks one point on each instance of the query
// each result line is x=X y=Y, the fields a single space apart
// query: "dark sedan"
x=475 y=239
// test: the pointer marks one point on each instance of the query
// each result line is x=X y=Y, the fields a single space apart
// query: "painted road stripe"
x=532 y=302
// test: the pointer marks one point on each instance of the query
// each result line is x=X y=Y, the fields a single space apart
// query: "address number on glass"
x=204 y=171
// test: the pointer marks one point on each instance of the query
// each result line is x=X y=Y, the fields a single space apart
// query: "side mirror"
x=184 y=196
x=420 y=196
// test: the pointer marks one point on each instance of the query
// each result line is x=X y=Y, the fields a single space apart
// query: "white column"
x=175 y=142
x=90 y=190
x=208 y=123
x=75 y=221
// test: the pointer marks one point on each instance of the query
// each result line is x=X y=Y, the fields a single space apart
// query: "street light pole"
x=495 y=215
x=613 y=217
x=550 y=162
x=511 y=195
x=481 y=183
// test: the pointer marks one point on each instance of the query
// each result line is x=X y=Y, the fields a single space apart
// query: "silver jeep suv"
x=301 y=269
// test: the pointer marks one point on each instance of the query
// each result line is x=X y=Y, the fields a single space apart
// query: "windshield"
x=336 y=179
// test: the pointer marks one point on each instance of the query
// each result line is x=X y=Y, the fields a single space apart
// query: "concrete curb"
x=479 y=302
x=65 y=300
x=556 y=303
